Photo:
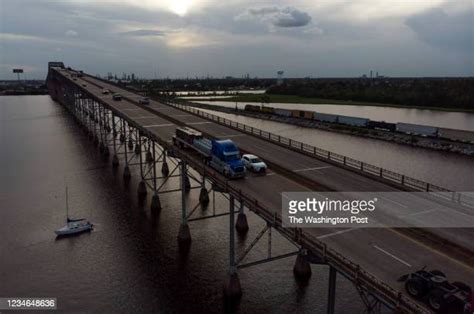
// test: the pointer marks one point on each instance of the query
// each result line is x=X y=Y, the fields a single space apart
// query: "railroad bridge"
x=134 y=135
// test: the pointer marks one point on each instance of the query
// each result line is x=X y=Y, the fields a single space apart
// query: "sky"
x=189 y=38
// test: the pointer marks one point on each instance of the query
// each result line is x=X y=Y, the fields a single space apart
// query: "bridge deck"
x=385 y=253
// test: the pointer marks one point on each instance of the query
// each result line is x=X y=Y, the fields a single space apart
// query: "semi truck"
x=222 y=155
x=442 y=296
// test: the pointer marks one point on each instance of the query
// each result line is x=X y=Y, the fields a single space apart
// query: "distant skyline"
x=180 y=38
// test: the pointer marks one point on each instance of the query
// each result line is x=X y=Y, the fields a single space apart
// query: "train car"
x=283 y=112
x=353 y=121
x=267 y=109
x=325 y=117
x=456 y=135
x=252 y=108
x=308 y=114
x=295 y=113
x=382 y=125
x=417 y=129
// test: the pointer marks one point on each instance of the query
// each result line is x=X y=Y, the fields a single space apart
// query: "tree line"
x=417 y=92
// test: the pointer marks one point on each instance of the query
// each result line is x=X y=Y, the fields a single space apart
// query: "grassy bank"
x=275 y=98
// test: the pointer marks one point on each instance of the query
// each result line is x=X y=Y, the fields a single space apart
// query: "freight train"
x=406 y=128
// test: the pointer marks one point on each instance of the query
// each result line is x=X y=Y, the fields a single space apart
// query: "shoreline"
x=441 y=145
x=293 y=99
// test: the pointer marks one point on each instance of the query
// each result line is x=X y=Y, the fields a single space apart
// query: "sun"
x=179 y=7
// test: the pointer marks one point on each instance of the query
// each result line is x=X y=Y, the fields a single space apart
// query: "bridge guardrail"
x=372 y=170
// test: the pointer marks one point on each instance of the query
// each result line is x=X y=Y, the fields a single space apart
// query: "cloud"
x=279 y=17
x=313 y=31
x=144 y=33
x=437 y=28
x=71 y=33
x=25 y=38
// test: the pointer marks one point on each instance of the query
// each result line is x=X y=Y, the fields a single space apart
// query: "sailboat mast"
x=67 y=205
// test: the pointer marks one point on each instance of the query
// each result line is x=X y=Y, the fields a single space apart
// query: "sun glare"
x=179 y=7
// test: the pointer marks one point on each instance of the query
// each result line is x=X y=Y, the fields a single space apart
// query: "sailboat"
x=73 y=226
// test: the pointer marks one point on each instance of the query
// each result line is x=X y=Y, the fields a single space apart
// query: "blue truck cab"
x=226 y=159
x=222 y=155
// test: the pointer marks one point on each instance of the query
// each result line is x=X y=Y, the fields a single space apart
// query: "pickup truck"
x=222 y=155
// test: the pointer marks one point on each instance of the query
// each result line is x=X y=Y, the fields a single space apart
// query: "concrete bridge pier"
x=232 y=288
x=126 y=173
x=149 y=157
x=115 y=161
x=138 y=149
x=155 y=203
x=204 y=194
x=242 y=225
x=165 y=170
x=141 y=191
x=187 y=184
x=302 y=268
x=138 y=145
x=105 y=151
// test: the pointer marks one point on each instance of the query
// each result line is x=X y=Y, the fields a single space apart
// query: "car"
x=144 y=101
x=105 y=91
x=253 y=163
x=117 y=97
x=84 y=84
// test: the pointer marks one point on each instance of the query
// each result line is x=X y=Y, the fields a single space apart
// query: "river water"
x=131 y=261
x=453 y=120
x=449 y=170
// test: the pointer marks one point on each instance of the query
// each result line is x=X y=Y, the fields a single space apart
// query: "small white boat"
x=73 y=226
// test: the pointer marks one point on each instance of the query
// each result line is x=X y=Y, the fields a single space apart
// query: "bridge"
x=373 y=259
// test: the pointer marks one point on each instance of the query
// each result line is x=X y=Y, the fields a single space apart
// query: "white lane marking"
x=392 y=201
x=310 y=169
x=392 y=256
x=336 y=233
x=142 y=117
x=157 y=125
x=196 y=123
